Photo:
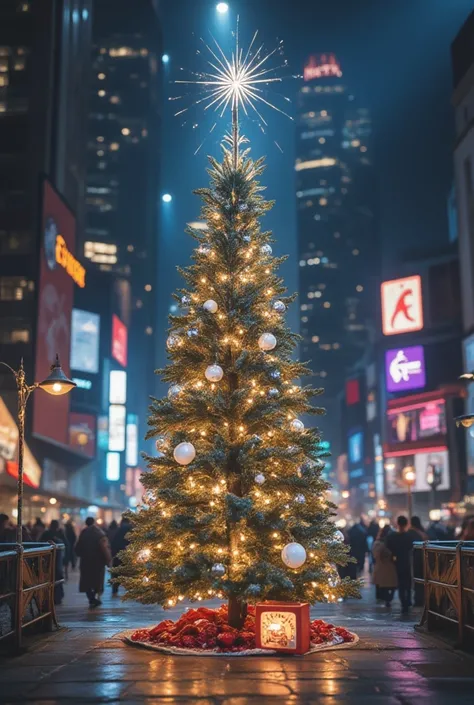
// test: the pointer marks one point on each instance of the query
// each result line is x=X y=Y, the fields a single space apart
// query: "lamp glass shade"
x=56 y=383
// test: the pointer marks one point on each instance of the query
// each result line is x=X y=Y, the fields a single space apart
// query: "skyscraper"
x=336 y=229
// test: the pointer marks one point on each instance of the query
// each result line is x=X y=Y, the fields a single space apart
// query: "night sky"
x=395 y=56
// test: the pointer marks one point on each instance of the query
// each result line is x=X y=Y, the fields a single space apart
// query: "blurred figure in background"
x=71 y=540
x=437 y=531
x=385 y=573
x=400 y=543
x=94 y=551
x=358 y=543
x=112 y=531
x=56 y=535
x=37 y=530
x=119 y=543
x=468 y=533
x=417 y=533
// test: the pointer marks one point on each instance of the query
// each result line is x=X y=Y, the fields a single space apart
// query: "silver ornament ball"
x=293 y=555
x=273 y=393
x=246 y=238
x=338 y=537
x=218 y=570
x=174 y=390
x=266 y=250
x=274 y=374
x=267 y=341
x=186 y=300
x=192 y=333
x=173 y=341
x=204 y=249
x=297 y=426
x=260 y=478
x=300 y=498
x=214 y=373
x=279 y=307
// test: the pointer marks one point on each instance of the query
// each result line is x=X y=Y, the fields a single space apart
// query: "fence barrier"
x=446 y=571
x=30 y=573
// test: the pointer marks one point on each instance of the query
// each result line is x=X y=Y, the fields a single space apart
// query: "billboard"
x=434 y=462
x=356 y=447
x=402 y=305
x=117 y=387
x=9 y=451
x=85 y=335
x=112 y=467
x=82 y=433
x=425 y=421
x=55 y=298
x=352 y=392
x=131 y=451
x=119 y=341
x=405 y=369
x=116 y=427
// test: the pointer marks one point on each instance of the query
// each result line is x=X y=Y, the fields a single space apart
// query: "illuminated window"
x=302 y=263
x=147 y=287
x=130 y=248
x=323 y=201
x=304 y=319
x=322 y=140
x=19 y=65
x=114 y=146
x=359 y=287
x=3 y=65
x=101 y=165
x=14 y=331
x=326 y=304
x=315 y=339
x=103 y=50
x=3 y=80
x=101 y=93
x=144 y=52
x=3 y=107
x=355 y=252
x=15 y=288
x=101 y=76
x=318 y=294
x=324 y=113
x=363 y=149
x=144 y=132
x=355 y=143
x=125 y=131
x=323 y=373
x=100 y=153
x=336 y=346
x=100 y=138
x=148 y=330
x=114 y=99
x=139 y=303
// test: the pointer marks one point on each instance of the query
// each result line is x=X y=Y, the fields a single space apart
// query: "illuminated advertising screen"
x=405 y=369
x=57 y=279
x=85 y=336
x=131 y=450
x=112 y=467
x=468 y=352
x=117 y=387
x=356 y=447
x=9 y=451
x=426 y=465
x=352 y=392
x=402 y=305
x=425 y=421
x=116 y=427
x=82 y=433
x=119 y=341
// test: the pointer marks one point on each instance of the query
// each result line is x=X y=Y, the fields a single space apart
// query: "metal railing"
x=28 y=580
x=446 y=570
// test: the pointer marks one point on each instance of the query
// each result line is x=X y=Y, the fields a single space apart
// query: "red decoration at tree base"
x=205 y=629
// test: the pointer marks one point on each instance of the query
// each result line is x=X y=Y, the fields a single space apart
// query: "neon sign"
x=67 y=260
x=322 y=66
x=402 y=305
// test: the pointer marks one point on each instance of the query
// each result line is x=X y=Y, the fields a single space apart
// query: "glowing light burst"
x=239 y=81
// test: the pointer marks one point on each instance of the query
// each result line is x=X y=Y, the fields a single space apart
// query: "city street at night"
x=86 y=662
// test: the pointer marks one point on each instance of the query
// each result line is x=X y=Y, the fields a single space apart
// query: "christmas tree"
x=236 y=505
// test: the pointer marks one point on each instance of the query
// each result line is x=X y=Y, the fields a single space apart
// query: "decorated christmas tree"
x=236 y=505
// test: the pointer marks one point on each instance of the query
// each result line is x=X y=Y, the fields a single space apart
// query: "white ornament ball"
x=338 y=537
x=214 y=373
x=279 y=307
x=184 y=453
x=266 y=249
x=300 y=498
x=218 y=570
x=174 y=390
x=173 y=341
x=210 y=305
x=293 y=555
x=267 y=341
x=297 y=425
x=260 y=478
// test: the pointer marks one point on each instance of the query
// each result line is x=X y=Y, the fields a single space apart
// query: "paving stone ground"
x=86 y=663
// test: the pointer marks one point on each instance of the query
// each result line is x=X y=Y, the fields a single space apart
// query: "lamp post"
x=409 y=476
x=56 y=384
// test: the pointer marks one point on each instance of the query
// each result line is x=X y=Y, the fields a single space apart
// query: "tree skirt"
x=205 y=632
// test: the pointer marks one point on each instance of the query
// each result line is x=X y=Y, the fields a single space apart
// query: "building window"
x=14 y=331
x=468 y=175
x=15 y=288
x=15 y=242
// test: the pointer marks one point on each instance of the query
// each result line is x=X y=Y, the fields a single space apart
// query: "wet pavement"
x=86 y=662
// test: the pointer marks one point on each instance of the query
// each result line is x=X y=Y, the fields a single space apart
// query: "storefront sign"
x=425 y=421
x=402 y=305
x=427 y=465
x=405 y=369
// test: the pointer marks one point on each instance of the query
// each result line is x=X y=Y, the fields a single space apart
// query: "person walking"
x=417 y=533
x=468 y=533
x=400 y=543
x=112 y=531
x=94 y=552
x=71 y=540
x=38 y=529
x=56 y=535
x=385 y=573
x=358 y=544
x=119 y=543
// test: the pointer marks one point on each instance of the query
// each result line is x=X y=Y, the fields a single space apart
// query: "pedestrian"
x=71 y=541
x=112 y=531
x=358 y=544
x=38 y=529
x=416 y=530
x=400 y=543
x=6 y=530
x=94 y=551
x=417 y=533
x=385 y=573
x=56 y=535
x=119 y=543
x=468 y=533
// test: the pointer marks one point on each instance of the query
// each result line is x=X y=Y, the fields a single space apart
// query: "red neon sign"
x=402 y=305
x=119 y=341
x=320 y=66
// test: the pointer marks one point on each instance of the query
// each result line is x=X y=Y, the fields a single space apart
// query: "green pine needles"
x=214 y=525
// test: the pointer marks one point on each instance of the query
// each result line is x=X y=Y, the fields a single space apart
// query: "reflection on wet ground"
x=88 y=663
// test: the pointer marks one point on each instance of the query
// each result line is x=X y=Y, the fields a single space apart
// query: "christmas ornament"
x=293 y=555
x=279 y=307
x=204 y=249
x=214 y=373
x=267 y=341
x=260 y=478
x=246 y=238
x=210 y=305
x=338 y=536
x=273 y=393
x=243 y=207
x=266 y=250
x=161 y=443
x=274 y=374
x=186 y=300
x=174 y=390
x=297 y=425
x=192 y=333
x=300 y=498
x=218 y=570
x=173 y=341
x=184 y=453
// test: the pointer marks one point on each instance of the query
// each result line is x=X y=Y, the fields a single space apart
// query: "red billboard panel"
x=82 y=433
x=352 y=392
x=56 y=291
x=119 y=341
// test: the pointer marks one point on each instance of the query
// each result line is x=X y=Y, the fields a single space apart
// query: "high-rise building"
x=336 y=225
x=120 y=236
x=44 y=70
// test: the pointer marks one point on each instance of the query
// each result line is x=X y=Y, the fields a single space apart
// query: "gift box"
x=283 y=626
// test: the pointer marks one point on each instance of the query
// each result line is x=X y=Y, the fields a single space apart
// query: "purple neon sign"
x=405 y=369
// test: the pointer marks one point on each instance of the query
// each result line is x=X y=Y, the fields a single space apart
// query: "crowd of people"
x=390 y=555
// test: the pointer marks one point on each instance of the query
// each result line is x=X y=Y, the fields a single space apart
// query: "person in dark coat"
x=385 y=574
x=358 y=544
x=400 y=543
x=56 y=535
x=94 y=551
x=70 y=532
x=417 y=533
x=119 y=543
x=112 y=530
x=38 y=529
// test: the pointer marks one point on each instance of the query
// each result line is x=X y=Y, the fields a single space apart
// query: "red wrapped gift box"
x=283 y=626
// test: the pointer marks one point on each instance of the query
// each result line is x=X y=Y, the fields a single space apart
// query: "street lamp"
x=56 y=384
x=409 y=477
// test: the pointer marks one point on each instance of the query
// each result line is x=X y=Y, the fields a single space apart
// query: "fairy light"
x=220 y=550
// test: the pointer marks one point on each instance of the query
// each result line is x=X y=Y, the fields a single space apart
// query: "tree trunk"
x=237 y=612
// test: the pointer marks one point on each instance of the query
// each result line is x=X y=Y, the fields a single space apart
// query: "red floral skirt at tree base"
x=206 y=629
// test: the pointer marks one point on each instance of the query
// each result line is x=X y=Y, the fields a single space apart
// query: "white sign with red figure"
x=402 y=305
